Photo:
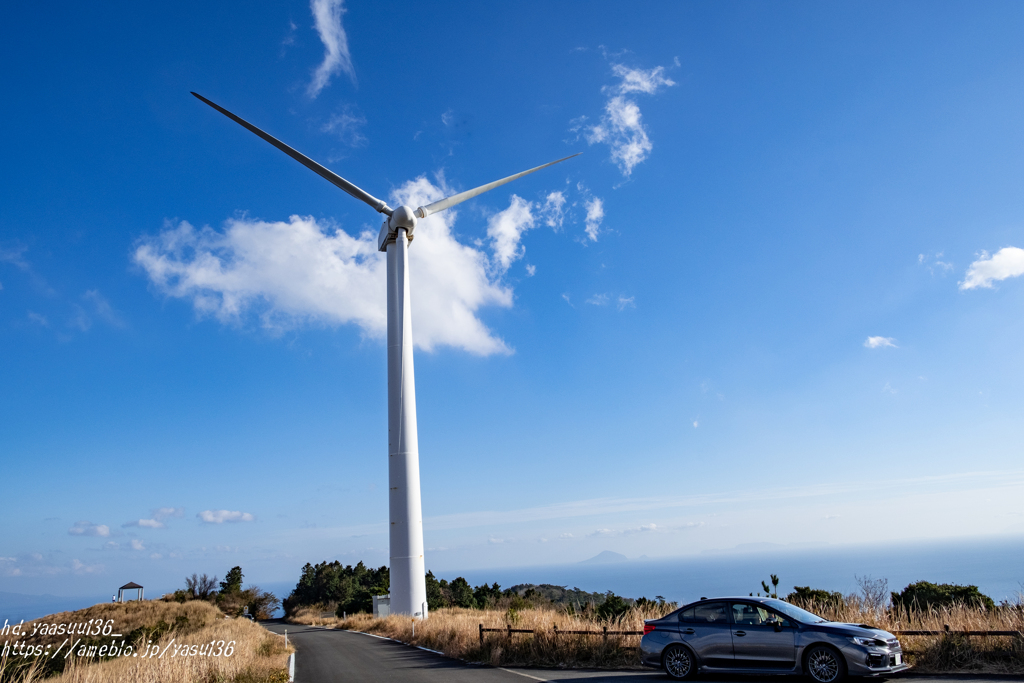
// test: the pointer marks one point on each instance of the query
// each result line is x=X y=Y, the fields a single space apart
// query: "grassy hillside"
x=143 y=642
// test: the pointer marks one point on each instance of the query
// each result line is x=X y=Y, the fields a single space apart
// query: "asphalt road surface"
x=331 y=656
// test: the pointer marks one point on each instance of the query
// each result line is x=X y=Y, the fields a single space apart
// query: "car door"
x=762 y=638
x=705 y=627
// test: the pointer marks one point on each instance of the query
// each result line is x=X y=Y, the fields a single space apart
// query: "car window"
x=707 y=613
x=749 y=614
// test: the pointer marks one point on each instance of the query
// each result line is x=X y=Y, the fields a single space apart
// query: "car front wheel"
x=678 y=663
x=825 y=665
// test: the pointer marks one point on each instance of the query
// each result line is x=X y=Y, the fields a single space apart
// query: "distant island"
x=606 y=557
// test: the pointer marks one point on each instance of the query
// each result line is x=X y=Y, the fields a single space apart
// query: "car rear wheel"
x=678 y=662
x=824 y=664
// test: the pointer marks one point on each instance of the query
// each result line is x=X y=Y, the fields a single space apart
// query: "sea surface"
x=995 y=566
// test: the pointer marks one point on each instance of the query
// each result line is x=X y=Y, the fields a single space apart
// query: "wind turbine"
x=408 y=582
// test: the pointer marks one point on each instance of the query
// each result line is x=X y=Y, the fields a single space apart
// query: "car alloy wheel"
x=678 y=662
x=825 y=665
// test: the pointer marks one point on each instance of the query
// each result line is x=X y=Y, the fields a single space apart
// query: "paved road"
x=330 y=656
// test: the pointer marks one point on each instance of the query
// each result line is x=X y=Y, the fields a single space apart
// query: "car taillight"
x=648 y=628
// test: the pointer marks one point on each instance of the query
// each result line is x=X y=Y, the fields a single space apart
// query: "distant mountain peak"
x=605 y=557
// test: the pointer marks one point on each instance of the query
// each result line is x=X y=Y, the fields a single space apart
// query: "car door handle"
x=688 y=632
x=739 y=633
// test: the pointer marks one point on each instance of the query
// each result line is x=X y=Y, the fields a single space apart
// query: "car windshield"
x=794 y=612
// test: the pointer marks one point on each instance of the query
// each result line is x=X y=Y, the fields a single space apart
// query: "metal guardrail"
x=604 y=633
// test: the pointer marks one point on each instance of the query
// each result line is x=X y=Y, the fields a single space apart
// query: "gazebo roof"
x=129 y=586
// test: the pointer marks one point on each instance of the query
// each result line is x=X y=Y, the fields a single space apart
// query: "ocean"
x=995 y=566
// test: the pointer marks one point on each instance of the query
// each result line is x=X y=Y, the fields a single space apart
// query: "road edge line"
x=520 y=674
x=291 y=668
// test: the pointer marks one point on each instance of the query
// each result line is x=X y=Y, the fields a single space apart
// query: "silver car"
x=765 y=636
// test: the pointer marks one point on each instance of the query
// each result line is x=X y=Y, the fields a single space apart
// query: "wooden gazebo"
x=130 y=586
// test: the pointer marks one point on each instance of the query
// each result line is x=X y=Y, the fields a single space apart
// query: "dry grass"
x=258 y=657
x=455 y=633
x=950 y=653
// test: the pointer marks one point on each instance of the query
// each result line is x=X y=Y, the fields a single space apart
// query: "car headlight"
x=866 y=642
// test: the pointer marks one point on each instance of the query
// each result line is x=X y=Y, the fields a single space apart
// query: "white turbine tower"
x=408 y=583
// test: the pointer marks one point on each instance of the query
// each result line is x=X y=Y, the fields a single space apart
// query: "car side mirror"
x=777 y=625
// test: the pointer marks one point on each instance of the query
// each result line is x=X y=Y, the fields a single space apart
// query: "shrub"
x=808 y=597
x=926 y=595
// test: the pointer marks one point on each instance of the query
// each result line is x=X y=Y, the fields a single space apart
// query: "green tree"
x=460 y=594
x=613 y=607
x=926 y=595
x=486 y=596
x=232 y=583
x=435 y=598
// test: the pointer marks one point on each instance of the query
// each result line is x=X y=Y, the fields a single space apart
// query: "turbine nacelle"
x=401 y=218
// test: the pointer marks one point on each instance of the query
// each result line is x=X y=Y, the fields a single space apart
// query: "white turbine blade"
x=449 y=202
x=329 y=175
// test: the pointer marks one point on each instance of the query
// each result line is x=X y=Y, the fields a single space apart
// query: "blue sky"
x=777 y=299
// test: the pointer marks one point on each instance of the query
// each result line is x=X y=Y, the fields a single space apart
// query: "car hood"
x=859 y=630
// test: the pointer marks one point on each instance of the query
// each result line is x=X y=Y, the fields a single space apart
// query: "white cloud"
x=595 y=214
x=89 y=529
x=638 y=80
x=1005 y=263
x=506 y=229
x=880 y=342
x=621 y=127
x=598 y=300
x=887 y=389
x=79 y=567
x=531 y=270
x=307 y=272
x=145 y=523
x=156 y=520
x=164 y=513
x=553 y=210
x=626 y=302
x=221 y=516
x=327 y=15
x=137 y=544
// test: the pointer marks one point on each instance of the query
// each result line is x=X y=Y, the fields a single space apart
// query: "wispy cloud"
x=554 y=210
x=221 y=516
x=880 y=342
x=347 y=125
x=305 y=272
x=934 y=263
x=327 y=15
x=156 y=521
x=1006 y=263
x=598 y=300
x=595 y=214
x=626 y=302
x=89 y=529
x=621 y=126
x=98 y=307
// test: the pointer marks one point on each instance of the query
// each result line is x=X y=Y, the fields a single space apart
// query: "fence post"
x=556 y=630
x=605 y=636
x=945 y=627
x=510 y=631
x=481 y=635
